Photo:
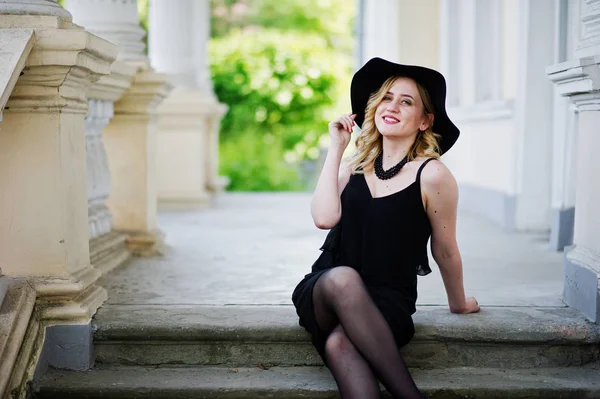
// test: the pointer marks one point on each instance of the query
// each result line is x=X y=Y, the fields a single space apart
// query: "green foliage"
x=279 y=87
x=331 y=19
x=253 y=162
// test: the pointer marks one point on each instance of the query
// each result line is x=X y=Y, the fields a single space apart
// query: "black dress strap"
x=421 y=169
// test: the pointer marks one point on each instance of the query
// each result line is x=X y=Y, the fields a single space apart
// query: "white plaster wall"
x=479 y=158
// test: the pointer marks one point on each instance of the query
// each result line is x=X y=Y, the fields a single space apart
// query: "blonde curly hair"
x=369 y=143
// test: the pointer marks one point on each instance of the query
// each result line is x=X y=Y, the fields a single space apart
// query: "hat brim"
x=376 y=71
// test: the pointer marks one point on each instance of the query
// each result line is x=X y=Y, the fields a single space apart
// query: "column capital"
x=148 y=89
x=111 y=87
x=33 y=7
x=60 y=68
x=579 y=80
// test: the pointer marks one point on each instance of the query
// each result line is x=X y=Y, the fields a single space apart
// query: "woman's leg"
x=341 y=295
x=352 y=373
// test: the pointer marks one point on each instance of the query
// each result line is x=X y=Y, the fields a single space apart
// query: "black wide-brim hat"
x=376 y=71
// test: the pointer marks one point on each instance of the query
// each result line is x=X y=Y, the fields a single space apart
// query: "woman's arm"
x=326 y=207
x=440 y=192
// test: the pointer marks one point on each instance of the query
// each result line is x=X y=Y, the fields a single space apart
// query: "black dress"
x=385 y=240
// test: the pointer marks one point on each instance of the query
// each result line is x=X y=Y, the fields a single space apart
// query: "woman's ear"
x=427 y=122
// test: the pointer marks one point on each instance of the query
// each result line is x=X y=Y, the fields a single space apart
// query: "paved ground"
x=254 y=248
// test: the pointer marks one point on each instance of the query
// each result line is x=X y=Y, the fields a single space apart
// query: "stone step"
x=239 y=336
x=312 y=382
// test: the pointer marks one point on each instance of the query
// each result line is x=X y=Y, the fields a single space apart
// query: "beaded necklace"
x=393 y=171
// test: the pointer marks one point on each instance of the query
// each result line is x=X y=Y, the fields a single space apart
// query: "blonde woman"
x=382 y=206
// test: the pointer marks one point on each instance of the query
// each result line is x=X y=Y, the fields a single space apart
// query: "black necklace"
x=387 y=174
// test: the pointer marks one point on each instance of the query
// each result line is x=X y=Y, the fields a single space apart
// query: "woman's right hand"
x=340 y=130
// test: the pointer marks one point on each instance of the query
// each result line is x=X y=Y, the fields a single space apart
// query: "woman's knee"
x=342 y=279
x=338 y=344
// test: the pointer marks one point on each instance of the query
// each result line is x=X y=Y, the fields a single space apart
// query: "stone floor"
x=254 y=248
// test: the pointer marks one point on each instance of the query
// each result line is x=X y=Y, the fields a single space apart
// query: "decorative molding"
x=148 y=89
x=111 y=87
x=576 y=76
x=492 y=110
x=78 y=310
x=60 y=69
x=67 y=286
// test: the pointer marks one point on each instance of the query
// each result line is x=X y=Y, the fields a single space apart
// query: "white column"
x=579 y=79
x=564 y=135
x=129 y=137
x=382 y=30
x=533 y=117
x=115 y=21
x=178 y=46
x=33 y=7
x=201 y=34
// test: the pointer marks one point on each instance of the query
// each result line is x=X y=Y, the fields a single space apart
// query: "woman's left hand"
x=471 y=306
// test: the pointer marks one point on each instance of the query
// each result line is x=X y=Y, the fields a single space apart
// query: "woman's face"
x=401 y=112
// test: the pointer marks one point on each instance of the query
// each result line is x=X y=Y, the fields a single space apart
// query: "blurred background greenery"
x=283 y=67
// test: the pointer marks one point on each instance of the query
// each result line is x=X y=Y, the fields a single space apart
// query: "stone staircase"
x=259 y=351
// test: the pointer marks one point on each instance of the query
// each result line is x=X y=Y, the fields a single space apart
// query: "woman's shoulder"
x=435 y=173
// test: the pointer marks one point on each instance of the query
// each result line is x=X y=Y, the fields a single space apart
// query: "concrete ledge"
x=307 y=382
x=243 y=336
x=192 y=323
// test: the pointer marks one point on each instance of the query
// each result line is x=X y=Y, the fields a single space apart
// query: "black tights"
x=360 y=347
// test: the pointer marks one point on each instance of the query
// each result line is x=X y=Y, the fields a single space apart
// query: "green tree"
x=280 y=88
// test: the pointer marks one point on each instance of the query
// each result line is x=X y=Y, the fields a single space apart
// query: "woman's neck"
x=395 y=150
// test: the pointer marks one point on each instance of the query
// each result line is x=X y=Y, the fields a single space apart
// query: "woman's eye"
x=406 y=102
x=387 y=98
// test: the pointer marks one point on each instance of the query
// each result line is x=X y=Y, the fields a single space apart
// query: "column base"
x=582 y=275
x=76 y=310
x=109 y=251
x=219 y=184
x=181 y=203
x=561 y=234
x=146 y=244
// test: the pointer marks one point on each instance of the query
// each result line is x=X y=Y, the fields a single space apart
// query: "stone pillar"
x=130 y=136
x=43 y=208
x=188 y=126
x=579 y=79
